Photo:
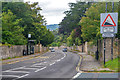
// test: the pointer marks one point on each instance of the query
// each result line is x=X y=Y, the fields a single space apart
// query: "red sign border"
x=106 y=19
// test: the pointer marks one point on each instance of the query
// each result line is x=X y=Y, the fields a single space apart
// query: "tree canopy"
x=20 y=19
x=73 y=16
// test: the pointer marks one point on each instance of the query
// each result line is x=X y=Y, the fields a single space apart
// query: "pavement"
x=89 y=63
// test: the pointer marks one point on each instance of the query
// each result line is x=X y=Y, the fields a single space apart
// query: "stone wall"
x=17 y=50
x=12 y=51
x=91 y=49
x=38 y=48
x=108 y=49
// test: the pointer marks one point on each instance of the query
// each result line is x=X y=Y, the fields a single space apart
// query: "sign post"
x=108 y=27
x=112 y=37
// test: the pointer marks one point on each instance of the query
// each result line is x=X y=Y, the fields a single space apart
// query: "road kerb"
x=79 y=64
x=78 y=67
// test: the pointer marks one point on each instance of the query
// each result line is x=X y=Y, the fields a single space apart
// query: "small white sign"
x=108 y=29
x=29 y=35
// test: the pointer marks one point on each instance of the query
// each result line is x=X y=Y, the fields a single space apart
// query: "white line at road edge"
x=14 y=69
x=76 y=75
x=40 y=69
x=17 y=71
x=31 y=68
x=9 y=76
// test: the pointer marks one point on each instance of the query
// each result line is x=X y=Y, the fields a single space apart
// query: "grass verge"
x=113 y=64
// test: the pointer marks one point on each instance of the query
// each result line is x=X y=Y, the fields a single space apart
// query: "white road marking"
x=9 y=76
x=23 y=76
x=15 y=68
x=40 y=63
x=52 y=64
x=35 y=66
x=78 y=74
x=58 y=60
x=40 y=69
x=17 y=71
x=31 y=68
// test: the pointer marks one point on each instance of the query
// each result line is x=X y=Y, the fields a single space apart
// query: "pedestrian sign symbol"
x=108 y=21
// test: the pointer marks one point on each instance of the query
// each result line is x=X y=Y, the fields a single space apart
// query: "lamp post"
x=28 y=47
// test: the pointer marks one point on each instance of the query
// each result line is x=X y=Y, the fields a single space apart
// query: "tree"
x=118 y=34
x=26 y=19
x=73 y=16
x=69 y=41
x=12 y=32
x=90 y=25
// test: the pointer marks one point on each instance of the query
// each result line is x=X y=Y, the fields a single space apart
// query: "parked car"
x=64 y=49
x=52 y=50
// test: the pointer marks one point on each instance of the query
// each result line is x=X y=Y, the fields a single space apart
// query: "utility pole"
x=112 y=37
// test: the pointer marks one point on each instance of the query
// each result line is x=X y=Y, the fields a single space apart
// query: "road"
x=56 y=65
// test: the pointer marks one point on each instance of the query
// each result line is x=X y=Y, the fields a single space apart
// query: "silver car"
x=53 y=50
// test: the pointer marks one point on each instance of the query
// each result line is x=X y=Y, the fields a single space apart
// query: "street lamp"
x=28 y=47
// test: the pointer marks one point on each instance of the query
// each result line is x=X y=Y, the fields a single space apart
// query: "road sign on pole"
x=108 y=21
x=108 y=24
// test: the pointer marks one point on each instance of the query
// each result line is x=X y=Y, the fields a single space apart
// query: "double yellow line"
x=79 y=64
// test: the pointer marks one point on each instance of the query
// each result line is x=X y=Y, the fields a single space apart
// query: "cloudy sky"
x=53 y=9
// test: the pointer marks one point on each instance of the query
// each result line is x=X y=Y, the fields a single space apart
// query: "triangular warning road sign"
x=108 y=21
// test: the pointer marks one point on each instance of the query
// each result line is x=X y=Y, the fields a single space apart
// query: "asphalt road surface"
x=56 y=65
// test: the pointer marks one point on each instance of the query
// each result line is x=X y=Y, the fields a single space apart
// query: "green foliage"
x=118 y=34
x=75 y=37
x=69 y=41
x=20 y=19
x=91 y=23
x=73 y=16
x=12 y=32
x=69 y=24
x=113 y=64
x=56 y=44
x=78 y=41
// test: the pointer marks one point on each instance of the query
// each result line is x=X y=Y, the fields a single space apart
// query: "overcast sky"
x=53 y=9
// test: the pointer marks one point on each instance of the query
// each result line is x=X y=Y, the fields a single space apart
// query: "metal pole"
x=106 y=7
x=112 y=37
x=112 y=49
x=97 y=56
x=104 y=51
x=112 y=6
x=104 y=38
